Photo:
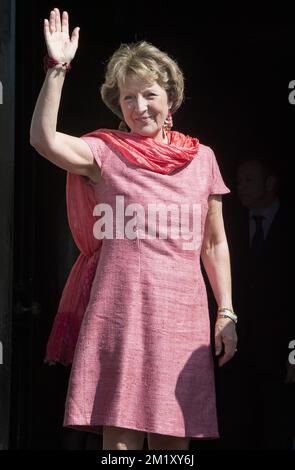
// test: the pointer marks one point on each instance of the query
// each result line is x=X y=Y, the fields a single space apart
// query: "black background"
x=237 y=67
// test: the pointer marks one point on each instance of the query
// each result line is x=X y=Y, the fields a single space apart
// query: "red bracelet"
x=49 y=62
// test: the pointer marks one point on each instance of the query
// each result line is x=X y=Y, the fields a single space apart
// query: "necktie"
x=258 y=239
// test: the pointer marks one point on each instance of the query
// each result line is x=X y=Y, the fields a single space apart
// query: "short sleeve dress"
x=143 y=358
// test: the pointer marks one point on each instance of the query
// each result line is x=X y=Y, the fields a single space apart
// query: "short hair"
x=147 y=62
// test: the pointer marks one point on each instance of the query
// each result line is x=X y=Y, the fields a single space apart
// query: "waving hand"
x=60 y=45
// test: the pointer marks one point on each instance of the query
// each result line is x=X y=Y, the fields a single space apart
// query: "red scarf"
x=150 y=154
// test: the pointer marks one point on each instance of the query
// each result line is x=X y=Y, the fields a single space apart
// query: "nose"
x=141 y=104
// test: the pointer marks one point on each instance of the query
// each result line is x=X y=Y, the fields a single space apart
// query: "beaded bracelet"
x=49 y=62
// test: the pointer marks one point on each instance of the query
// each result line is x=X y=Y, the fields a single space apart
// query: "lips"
x=144 y=119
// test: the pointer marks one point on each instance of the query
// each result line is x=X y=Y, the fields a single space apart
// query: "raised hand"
x=60 y=46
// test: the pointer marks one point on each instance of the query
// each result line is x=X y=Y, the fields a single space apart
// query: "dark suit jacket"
x=260 y=294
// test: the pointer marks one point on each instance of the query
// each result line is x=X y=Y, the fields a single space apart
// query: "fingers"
x=52 y=21
x=65 y=23
x=75 y=36
x=46 y=29
x=229 y=352
x=57 y=20
x=225 y=336
x=218 y=344
x=57 y=24
x=56 y=33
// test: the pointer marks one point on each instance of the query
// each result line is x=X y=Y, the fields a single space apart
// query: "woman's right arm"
x=66 y=151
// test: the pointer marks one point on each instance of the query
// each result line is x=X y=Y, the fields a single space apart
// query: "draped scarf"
x=149 y=154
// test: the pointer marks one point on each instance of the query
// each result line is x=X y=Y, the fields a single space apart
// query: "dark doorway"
x=236 y=95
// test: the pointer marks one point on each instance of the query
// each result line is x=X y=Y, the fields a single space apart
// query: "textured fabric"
x=150 y=154
x=142 y=151
x=143 y=358
x=75 y=296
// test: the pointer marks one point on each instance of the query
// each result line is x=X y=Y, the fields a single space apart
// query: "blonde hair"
x=146 y=62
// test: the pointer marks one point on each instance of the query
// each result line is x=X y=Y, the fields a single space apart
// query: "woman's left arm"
x=216 y=260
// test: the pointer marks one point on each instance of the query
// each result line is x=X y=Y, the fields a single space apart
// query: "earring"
x=168 y=123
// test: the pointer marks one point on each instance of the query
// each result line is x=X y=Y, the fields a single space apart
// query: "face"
x=144 y=107
x=251 y=185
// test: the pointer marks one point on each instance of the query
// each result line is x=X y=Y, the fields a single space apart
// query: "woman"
x=143 y=361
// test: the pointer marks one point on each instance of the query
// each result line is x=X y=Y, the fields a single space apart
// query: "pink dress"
x=143 y=359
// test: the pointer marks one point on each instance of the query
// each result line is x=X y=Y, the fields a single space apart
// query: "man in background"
x=255 y=405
